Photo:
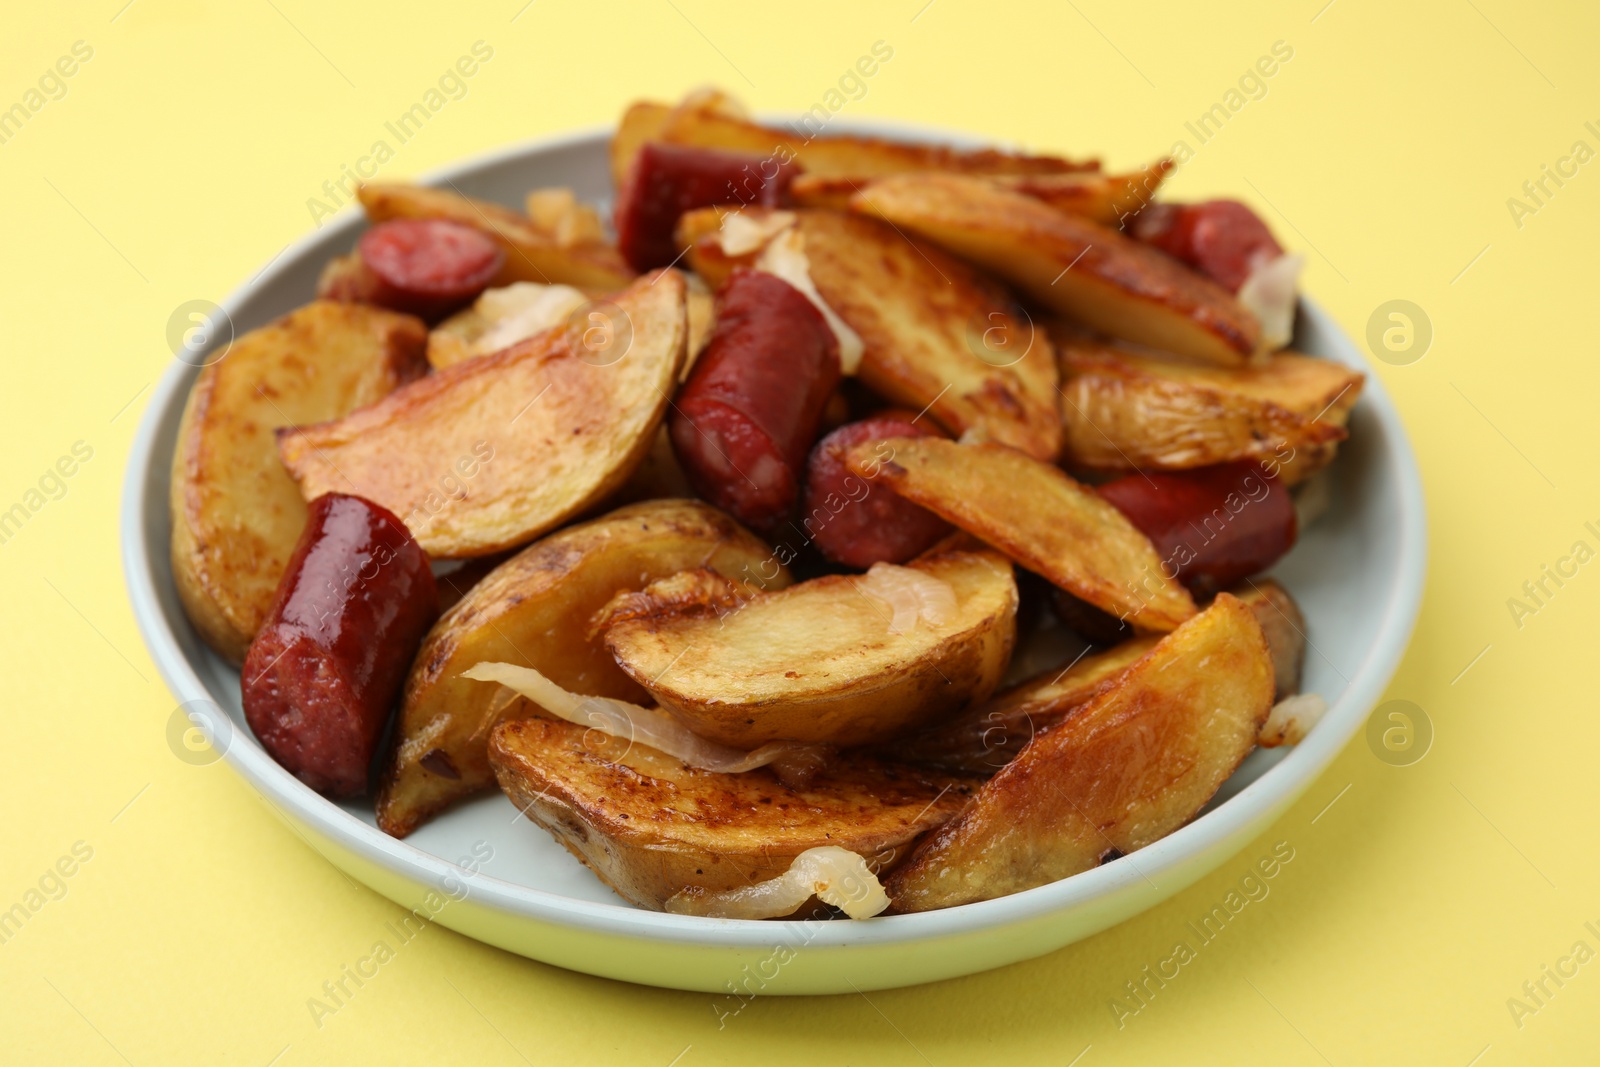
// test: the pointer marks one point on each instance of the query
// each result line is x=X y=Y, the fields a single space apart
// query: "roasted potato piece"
x=1125 y=770
x=533 y=611
x=1088 y=272
x=650 y=826
x=818 y=662
x=939 y=336
x=557 y=212
x=547 y=429
x=1108 y=199
x=987 y=736
x=236 y=514
x=1041 y=518
x=531 y=254
x=1125 y=410
x=1285 y=630
x=640 y=124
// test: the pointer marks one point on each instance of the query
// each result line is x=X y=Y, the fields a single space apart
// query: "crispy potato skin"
x=554 y=433
x=938 y=336
x=1091 y=273
x=1128 y=768
x=1285 y=630
x=236 y=514
x=533 y=610
x=816 y=662
x=987 y=736
x=1124 y=410
x=531 y=254
x=1039 y=517
x=650 y=826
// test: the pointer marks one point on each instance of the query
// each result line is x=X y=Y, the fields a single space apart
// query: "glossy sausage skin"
x=852 y=521
x=1222 y=239
x=322 y=676
x=1212 y=526
x=428 y=267
x=665 y=180
x=743 y=423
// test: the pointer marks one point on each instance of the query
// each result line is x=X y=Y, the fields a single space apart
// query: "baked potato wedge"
x=236 y=514
x=1108 y=199
x=555 y=422
x=1284 y=627
x=822 y=661
x=1038 y=516
x=1131 y=766
x=533 y=611
x=649 y=826
x=1088 y=272
x=532 y=255
x=937 y=335
x=1130 y=410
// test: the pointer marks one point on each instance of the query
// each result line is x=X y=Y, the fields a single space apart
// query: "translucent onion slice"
x=742 y=234
x=1269 y=294
x=1291 y=719
x=910 y=595
x=785 y=257
x=832 y=874
x=521 y=310
x=793 y=762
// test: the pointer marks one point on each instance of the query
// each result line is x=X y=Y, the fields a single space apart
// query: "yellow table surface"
x=179 y=157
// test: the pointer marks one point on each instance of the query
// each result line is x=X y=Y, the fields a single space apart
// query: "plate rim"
x=1261 y=800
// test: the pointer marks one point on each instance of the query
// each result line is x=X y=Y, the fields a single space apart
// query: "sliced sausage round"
x=851 y=520
x=1222 y=239
x=428 y=267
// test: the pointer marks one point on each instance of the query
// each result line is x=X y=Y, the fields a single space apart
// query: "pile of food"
x=725 y=539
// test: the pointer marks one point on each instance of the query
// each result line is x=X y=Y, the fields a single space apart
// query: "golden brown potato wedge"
x=1124 y=409
x=938 y=336
x=987 y=736
x=557 y=212
x=1041 y=518
x=1108 y=199
x=640 y=124
x=650 y=826
x=1284 y=627
x=1091 y=273
x=818 y=662
x=533 y=611
x=1125 y=770
x=236 y=514
x=532 y=255
x=538 y=432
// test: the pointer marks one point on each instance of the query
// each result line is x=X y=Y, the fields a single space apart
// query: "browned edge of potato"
x=1124 y=409
x=531 y=254
x=649 y=826
x=817 y=662
x=1285 y=629
x=1131 y=766
x=490 y=453
x=1088 y=272
x=939 y=337
x=236 y=514
x=533 y=611
x=1040 y=517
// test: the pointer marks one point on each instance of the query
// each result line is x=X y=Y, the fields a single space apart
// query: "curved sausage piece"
x=665 y=180
x=428 y=267
x=1212 y=526
x=1223 y=239
x=743 y=422
x=322 y=676
x=854 y=522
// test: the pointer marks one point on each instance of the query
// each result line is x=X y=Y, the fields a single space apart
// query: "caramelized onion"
x=742 y=234
x=523 y=309
x=785 y=257
x=911 y=595
x=793 y=762
x=1269 y=294
x=1291 y=719
x=832 y=874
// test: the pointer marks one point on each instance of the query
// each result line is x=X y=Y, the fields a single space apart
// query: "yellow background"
x=179 y=162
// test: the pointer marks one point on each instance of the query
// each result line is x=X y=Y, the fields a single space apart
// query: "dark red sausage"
x=1223 y=239
x=853 y=521
x=322 y=675
x=666 y=180
x=1212 y=526
x=428 y=267
x=743 y=422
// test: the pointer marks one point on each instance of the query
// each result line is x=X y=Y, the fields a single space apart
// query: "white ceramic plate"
x=484 y=871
